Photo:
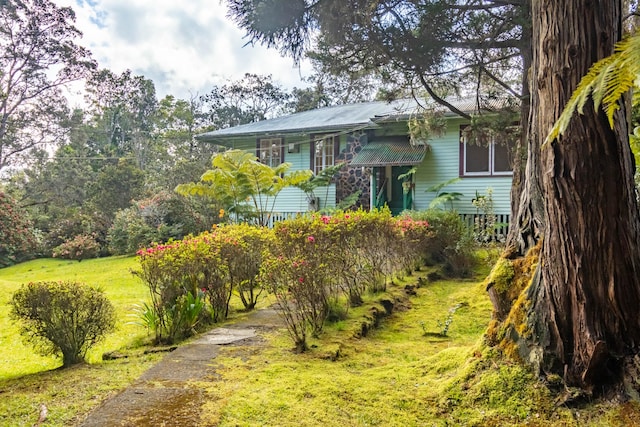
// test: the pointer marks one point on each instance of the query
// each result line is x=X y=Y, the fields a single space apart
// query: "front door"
x=389 y=188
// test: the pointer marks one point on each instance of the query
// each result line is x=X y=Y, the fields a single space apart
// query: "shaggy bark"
x=582 y=317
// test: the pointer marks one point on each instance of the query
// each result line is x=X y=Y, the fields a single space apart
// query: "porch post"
x=372 y=190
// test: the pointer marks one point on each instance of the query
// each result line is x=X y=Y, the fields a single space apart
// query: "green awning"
x=389 y=154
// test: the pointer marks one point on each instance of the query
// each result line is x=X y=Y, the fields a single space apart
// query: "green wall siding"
x=441 y=164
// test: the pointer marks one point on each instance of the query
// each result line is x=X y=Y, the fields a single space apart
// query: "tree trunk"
x=580 y=318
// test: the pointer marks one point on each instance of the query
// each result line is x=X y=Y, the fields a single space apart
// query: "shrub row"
x=313 y=265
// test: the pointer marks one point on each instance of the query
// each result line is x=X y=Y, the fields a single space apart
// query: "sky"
x=185 y=47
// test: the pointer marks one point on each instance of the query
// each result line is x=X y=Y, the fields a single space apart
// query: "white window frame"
x=323 y=153
x=491 y=171
x=274 y=145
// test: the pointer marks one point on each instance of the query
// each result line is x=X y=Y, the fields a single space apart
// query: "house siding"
x=440 y=164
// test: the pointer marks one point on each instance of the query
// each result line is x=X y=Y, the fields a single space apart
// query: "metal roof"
x=364 y=115
x=389 y=153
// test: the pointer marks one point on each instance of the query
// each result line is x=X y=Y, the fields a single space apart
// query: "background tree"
x=430 y=45
x=17 y=239
x=122 y=111
x=38 y=55
x=116 y=186
x=250 y=99
x=178 y=121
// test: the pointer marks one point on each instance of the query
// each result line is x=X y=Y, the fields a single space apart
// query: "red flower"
x=301 y=279
x=311 y=239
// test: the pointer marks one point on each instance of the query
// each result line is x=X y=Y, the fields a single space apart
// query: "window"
x=486 y=160
x=270 y=151
x=324 y=150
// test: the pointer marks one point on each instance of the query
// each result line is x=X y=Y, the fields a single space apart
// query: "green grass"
x=396 y=376
x=27 y=379
x=393 y=377
x=113 y=275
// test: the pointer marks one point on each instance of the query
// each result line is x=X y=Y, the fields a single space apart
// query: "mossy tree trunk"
x=579 y=318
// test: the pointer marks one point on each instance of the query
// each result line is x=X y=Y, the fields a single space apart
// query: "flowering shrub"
x=450 y=242
x=300 y=275
x=303 y=301
x=17 y=238
x=242 y=250
x=321 y=263
x=379 y=241
x=80 y=247
x=74 y=223
x=174 y=270
x=416 y=237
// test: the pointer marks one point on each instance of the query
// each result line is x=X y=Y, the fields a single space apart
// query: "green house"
x=373 y=140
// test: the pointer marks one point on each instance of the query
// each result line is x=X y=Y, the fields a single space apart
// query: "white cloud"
x=184 y=47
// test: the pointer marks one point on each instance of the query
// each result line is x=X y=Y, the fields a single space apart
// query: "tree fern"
x=243 y=185
x=606 y=82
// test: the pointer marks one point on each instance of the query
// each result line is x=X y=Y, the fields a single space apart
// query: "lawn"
x=27 y=379
x=113 y=275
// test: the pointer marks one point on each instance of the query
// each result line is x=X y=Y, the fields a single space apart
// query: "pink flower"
x=347 y=216
x=311 y=239
x=301 y=279
x=325 y=219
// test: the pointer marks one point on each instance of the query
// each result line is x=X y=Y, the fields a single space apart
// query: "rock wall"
x=351 y=179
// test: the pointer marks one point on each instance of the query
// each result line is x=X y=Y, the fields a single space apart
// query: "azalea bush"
x=177 y=272
x=82 y=246
x=350 y=267
x=416 y=238
x=243 y=249
x=300 y=275
x=451 y=242
x=323 y=264
x=380 y=241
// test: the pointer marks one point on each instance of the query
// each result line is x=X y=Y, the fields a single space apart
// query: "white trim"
x=491 y=163
x=275 y=146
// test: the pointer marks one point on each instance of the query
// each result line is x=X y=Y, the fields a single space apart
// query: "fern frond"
x=606 y=82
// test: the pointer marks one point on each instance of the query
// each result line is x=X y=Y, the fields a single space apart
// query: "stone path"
x=165 y=394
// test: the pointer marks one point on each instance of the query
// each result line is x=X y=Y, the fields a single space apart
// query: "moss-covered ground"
x=405 y=373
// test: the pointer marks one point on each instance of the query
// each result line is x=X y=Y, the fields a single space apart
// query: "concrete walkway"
x=165 y=394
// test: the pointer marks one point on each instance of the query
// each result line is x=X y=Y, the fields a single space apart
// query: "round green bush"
x=63 y=318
